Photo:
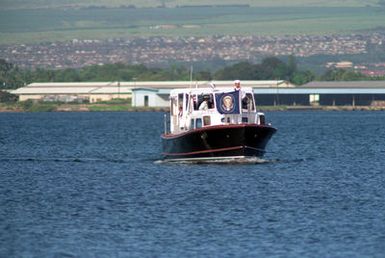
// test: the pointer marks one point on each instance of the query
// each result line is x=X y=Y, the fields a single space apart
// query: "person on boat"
x=237 y=85
x=205 y=103
x=247 y=102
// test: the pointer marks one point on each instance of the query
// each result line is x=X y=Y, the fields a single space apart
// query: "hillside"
x=42 y=25
x=34 y=21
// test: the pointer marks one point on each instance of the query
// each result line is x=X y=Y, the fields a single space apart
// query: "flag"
x=228 y=102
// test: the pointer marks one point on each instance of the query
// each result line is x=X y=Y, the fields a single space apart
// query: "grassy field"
x=39 y=25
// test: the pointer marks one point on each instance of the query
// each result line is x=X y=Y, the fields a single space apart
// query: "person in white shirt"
x=204 y=105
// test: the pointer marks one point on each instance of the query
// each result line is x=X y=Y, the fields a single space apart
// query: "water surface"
x=87 y=184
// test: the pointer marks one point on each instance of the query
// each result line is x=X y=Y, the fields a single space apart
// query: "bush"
x=26 y=105
x=6 y=97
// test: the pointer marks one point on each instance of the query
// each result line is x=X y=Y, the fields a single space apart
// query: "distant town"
x=158 y=49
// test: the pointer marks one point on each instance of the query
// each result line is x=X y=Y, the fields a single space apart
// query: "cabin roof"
x=344 y=84
x=207 y=90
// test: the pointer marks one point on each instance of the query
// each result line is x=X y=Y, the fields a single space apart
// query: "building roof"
x=71 y=90
x=207 y=90
x=144 y=90
x=127 y=87
x=72 y=84
x=155 y=84
x=164 y=88
x=344 y=84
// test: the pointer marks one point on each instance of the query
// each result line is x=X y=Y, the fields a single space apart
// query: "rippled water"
x=88 y=184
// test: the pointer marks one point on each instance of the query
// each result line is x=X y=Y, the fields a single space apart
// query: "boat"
x=214 y=124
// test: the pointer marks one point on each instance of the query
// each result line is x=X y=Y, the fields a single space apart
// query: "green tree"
x=203 y=76
x=6 y=97
x=242 y=70
x=273 y=68
x=343 y=75
x=11 y=76
x=291 y=65
x=67 y=75
x=302 y=77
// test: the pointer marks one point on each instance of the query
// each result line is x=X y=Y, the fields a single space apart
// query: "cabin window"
x=245 y=120
x=174 y=109
x=180 y=99
x=203 y=102
x=261 y=119
x=194 y=103
x=225 y=120
x=206 y=120
x=198 y=122
x=191 y=124
x=146 y=101
x=248 y=102
x=186 y=96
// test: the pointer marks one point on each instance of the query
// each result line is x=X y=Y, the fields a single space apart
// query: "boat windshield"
x=202 y=101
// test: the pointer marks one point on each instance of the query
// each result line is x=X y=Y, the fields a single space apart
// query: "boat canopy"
x=194 y=108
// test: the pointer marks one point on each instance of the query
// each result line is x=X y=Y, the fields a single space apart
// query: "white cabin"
x=195 y=108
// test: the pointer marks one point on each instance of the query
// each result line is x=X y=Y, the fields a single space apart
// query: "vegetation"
x=6 y=97
x=109 y=107
x=271 y=68
x=10 y=75
x=344 y=75
x=50 y=25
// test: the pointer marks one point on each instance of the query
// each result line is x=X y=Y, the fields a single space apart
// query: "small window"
x=180 y=99
x=248 y=102
x=261 y=119
x=146 y=101
x=225 y=120
x=194 y=102
x=186 y=97
x=208 y=99
x=245 y=120
x=191 y=124
x=173 y=106
x=206 y=120
x=198 y=123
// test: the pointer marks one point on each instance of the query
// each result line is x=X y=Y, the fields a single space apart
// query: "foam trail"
x=229 y=160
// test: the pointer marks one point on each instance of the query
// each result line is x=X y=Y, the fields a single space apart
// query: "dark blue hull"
x=224 y=141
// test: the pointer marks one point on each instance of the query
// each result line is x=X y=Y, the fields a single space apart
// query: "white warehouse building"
x=142 y=94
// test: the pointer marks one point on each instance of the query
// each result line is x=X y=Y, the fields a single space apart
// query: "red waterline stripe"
x=204 y=151
x=248 y=147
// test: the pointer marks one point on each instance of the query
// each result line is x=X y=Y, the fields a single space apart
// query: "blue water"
x=87 y=185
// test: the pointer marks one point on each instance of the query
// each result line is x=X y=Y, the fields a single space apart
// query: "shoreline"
x=16 y=107
x=321 y=108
